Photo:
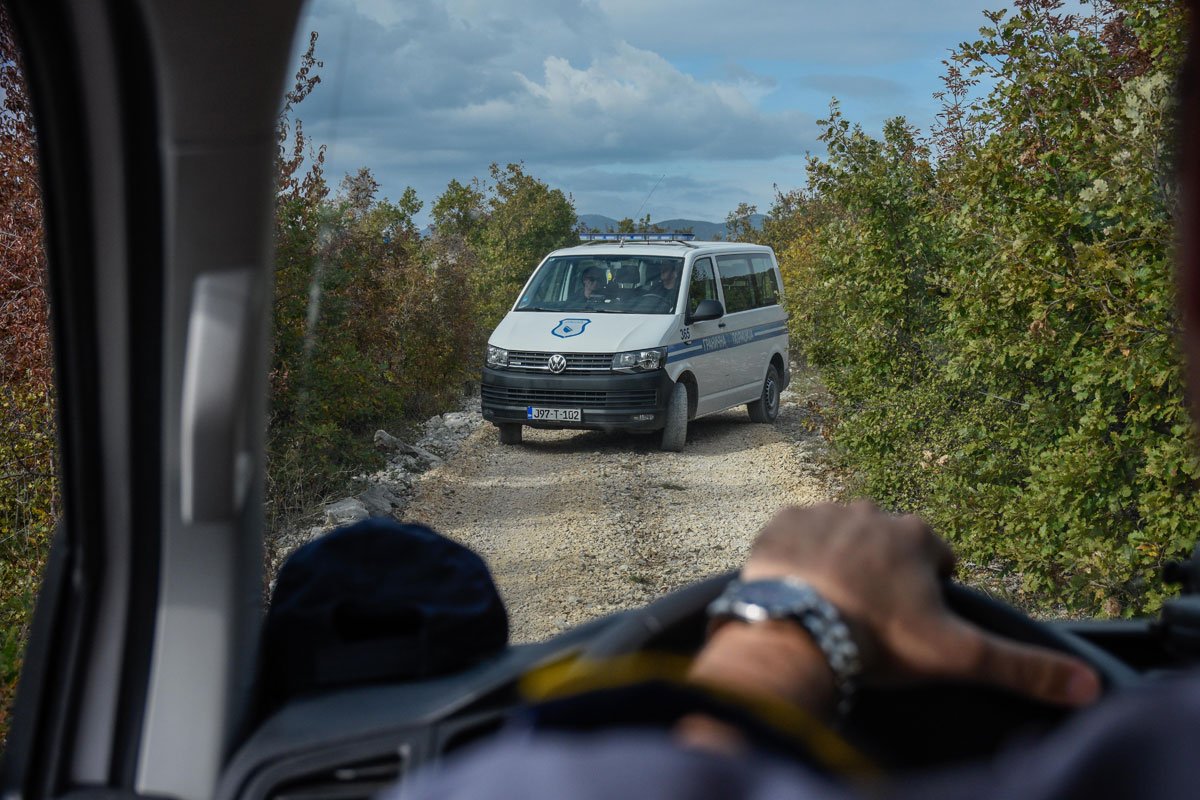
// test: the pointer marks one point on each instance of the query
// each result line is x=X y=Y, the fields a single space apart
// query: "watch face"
x=758 y=600
x=772 y=594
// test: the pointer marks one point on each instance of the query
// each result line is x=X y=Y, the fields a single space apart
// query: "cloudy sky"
x=715 y=101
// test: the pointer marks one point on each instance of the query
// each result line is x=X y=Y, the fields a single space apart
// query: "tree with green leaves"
x=460 y=211
x=739 y=225
x=371 y=323
x=509 y=223
x=993 y=308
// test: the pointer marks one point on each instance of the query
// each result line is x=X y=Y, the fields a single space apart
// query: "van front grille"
x=578 y=363
x=514 y=396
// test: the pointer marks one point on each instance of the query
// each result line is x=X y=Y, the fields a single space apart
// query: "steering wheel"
x=943 y=721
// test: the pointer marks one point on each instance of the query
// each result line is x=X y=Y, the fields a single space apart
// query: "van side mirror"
x=707 y=309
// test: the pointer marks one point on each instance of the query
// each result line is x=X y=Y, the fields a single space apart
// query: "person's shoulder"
x=617 y=763
x=1132 y=745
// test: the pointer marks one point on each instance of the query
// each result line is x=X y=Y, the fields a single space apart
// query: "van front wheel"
x=675 y=432
x=510 y=433
x=766 y=407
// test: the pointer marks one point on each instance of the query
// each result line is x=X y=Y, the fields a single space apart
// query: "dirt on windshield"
x=579 y=524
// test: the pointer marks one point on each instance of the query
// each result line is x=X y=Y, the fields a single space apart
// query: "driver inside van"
x=667 y=283
x=592 y=285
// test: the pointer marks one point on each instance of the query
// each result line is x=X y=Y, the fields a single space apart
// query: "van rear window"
x=736 y=283
x=748 y=281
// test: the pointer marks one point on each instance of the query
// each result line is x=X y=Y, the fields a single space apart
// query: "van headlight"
x=497 y=356
x=640 y=360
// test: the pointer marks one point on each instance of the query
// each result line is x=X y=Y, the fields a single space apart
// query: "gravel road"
x=578 y=524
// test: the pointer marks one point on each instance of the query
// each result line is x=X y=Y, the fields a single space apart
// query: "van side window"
x=766 y=287
x=703 y=285
x=737 y=283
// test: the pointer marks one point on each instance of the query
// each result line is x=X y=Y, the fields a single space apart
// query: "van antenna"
x=647 y=200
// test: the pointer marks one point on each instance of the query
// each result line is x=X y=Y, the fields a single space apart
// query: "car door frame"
x=156 y=133
x=706 y=364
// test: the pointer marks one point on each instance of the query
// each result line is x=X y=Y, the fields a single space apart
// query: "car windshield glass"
x=959 y=300
x=619 y=284
x=432 y=277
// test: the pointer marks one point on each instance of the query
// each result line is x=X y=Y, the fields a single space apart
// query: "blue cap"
x=378 y=601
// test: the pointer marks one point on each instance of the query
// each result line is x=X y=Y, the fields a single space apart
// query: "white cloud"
x=634 y=105
x=550 y=84
x=427 y=90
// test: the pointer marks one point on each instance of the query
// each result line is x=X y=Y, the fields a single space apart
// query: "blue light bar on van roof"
x=636 y=237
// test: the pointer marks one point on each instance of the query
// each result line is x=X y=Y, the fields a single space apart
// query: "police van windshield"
x=618 y=284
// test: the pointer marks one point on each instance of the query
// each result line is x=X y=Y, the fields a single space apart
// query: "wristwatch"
x=793 y=599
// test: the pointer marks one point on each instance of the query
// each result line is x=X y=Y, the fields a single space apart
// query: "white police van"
x=640 y=332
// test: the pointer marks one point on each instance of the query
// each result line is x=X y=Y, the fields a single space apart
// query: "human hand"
x=883 y=572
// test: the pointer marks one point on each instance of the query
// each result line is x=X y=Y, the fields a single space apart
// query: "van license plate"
x=554 y=414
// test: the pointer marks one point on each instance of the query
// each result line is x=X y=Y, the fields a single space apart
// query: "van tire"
x=675 y=433
x=510 y=432
x=766 y=407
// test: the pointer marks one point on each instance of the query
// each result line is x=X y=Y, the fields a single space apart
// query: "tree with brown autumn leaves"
x=28 y=487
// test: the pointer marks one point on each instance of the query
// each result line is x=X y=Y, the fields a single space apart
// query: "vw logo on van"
x=557 y=363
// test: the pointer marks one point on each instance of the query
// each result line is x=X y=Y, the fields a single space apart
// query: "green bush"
x=374 y=325
x=506 y=225
x=993 y=309
x=372 y=330
x=28 y=506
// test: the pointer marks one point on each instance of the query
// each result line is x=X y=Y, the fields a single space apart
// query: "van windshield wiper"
x=538 y=308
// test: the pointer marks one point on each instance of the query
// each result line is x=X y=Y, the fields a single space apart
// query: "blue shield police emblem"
x=567 y=328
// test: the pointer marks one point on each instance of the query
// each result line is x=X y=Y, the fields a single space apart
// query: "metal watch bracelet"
x=796 y=600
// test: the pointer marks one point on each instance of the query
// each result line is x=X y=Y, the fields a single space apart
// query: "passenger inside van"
x=592 y=286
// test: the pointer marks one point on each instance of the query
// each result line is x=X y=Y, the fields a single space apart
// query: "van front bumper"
x=617 y=401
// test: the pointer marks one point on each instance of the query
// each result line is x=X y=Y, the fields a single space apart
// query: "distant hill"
x=703 y=230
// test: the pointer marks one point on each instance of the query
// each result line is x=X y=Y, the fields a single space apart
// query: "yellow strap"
x=574 y=675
